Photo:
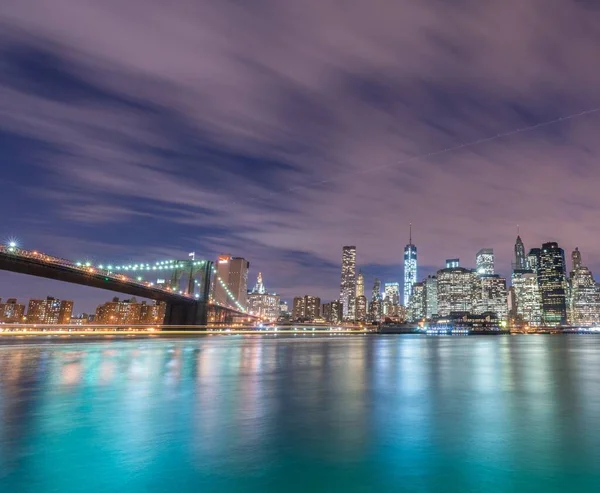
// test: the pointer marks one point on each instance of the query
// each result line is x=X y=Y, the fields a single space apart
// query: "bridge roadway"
x=182 y=308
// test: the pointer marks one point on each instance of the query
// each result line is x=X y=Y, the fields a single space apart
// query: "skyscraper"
x=533 y=259
x=410 y=267
x=348 y=284
x=484 y=261
x=431 y=303
x=416 y=308
x=456 y=289
x=360 y=285
x=491 y=296
x=520 y=260
x=232 y=276
x=527 y=296
x=376 y=293
x=361 y=308
x=259 y=287
x=576 y=259
x=585 y=297
x=553 y=284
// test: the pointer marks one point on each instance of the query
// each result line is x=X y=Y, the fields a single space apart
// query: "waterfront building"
x=117 y=312
x=332 y=312
x=584 y=294
x=491 y=296
x=484 y=261
x=553 y=284
x=306 y=308
x=375 y=310
x=12 y=312
x=410 y=268
x=298 y=308
x=431 y=304
x=456 y=288
x=263 y=304
x=533 y=260
x=49 y=311
x=520 y=259
x=348 y=282
x=233 y=272
x=152 y=313
x=391 y=298
x=527 y=297
x=416 y=308
x=361 y=308
x=452 y=263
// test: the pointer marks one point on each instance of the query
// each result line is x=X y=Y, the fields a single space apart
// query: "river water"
x=301 y=414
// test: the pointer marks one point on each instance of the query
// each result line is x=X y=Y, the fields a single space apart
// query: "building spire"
x=410 y=233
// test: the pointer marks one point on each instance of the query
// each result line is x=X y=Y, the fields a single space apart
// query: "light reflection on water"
x=245 y=414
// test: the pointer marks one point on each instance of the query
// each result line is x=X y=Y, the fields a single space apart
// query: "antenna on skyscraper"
x=518 y=232
x=410 y=233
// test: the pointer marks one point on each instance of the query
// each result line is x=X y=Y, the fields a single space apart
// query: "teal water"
x=314 y=414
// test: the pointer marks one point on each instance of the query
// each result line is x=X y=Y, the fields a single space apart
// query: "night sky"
x=280 y=131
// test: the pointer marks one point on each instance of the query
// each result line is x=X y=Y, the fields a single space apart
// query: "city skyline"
x=283 y=159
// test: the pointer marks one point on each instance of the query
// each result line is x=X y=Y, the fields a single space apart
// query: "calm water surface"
x=261 y=414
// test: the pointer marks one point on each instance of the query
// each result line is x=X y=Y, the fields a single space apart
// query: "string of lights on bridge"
x=165 y=265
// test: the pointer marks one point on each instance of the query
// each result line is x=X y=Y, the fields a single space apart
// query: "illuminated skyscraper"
x=376 y=293
x=415 y=310
x=360 y=285
x=233 y=290
x=391 y=298
x=576 y=259
x=361 y=308
x=456 y=290
x=585 y=298
x=528 y=300
x=259 y=287
x=484 y=261
x=348 y=283
x=533 y=259
x=410 y=267
x=491 y=296
x=553 y=284
x=520 y=260
x=431 y=303
x=262 y=304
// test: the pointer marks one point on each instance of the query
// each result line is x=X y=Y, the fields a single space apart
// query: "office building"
x=307 y=308
x=527 y=297
x=361 y=308
x=348 y=282
x=484 y=261
x=360 y=285
x=533 y=260
x=332 y=312
x=491 y=296
x=431 y=305
x=416 y=309
x=376 y=310
x=49 y=311
x=263 y=304
x=520 y=262
x=376 y=292
x=452 y=263
x=553 y=284
x=585 y=297
x=391 y=298
x=410 y=268
x=456 y=289
x=230 y=284
x=298 y=308
x=12 y=312
x=575 y=259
